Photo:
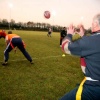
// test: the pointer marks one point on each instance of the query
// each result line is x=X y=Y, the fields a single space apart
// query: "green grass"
x=49 y=78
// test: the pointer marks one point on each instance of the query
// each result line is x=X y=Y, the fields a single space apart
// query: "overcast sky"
x=63 y=12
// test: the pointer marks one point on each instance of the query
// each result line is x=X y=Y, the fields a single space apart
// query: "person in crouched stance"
x=12 y=41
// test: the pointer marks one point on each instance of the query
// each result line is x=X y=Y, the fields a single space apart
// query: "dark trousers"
x=61 y=38
x=49 y=34
x=16 y=42
x=89 y=92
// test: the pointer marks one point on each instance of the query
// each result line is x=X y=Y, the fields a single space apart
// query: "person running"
x=12 y=41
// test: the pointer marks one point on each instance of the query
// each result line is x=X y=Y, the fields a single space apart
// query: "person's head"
x=64 y=28
x=96 y=23
x=9 y=32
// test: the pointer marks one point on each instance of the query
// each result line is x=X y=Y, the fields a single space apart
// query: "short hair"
x=97 y=18
x=64 y=28
x=9 y=32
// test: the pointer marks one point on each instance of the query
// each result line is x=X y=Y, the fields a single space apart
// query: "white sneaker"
x=60 y=45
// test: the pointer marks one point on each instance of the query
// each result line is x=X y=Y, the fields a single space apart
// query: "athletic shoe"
x=4 y=63
x=31 y=62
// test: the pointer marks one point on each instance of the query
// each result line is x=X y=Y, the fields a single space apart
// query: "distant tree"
x=38 y=24
x=24 y=24
x=44 y=25
x=12 y=22
x=4 y=24
x=0 y=20
x=5 y=21
x=30 y=24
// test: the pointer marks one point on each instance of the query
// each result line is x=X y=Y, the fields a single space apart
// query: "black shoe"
x=31 y=62
x=4 y=63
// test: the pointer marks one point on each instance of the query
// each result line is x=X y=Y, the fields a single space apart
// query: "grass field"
x=49 y=78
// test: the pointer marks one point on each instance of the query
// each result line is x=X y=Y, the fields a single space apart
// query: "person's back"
x=87 y=47
x=12 y=41
x=10 y=36
x=92 y=55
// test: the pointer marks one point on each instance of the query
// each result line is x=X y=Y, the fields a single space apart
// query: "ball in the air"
x=47 y=14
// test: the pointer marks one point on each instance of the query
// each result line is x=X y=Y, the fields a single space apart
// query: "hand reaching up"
x=70 y=29
x=82 y=30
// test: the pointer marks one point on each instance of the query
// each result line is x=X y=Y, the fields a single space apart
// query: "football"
x=47 y=14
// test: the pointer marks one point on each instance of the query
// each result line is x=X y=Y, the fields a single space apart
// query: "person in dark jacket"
x=87 y=47
x=63 y=33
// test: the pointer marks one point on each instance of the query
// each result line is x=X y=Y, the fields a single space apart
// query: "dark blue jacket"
x=89 y=48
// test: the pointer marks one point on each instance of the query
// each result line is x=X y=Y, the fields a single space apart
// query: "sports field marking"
x=37 y=58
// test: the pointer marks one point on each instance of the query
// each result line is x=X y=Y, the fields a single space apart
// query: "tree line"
x=33 y=26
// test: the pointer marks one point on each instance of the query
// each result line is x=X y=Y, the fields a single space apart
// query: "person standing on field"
x=12 y=41
x=87 y=47
x=49 y=32
x=63 y=33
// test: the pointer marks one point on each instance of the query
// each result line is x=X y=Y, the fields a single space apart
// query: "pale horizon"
x=63 y=12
